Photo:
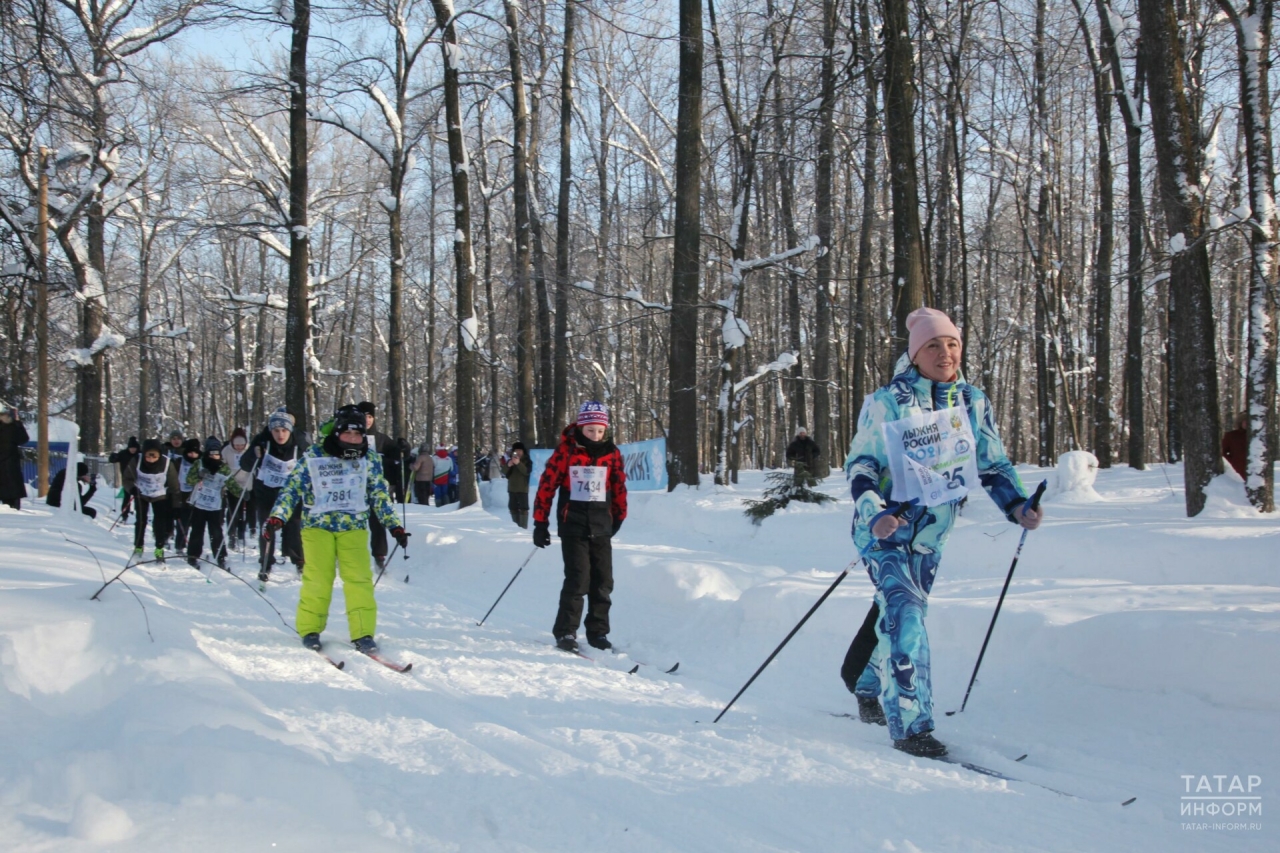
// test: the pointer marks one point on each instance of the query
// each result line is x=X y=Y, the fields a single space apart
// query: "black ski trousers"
x=860 y=650
x=291 y=536
x=588 y=570
x=200 y=520
x=377 y=535
x=162 y=510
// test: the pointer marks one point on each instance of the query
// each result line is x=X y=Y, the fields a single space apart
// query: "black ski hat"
x=213 y=444
x=348 y=417
x=366 y=407
x=151 y=444
x=82 y=470
x=519 y=445
x=133 y=442
x=191 y=445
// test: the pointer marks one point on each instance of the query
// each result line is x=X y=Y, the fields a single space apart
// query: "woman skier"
x=923 y=442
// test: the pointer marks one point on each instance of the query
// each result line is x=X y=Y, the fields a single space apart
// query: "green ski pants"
x=327 y=554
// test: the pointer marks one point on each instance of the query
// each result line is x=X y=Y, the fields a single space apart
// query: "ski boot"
x=137 y=554
x=194 y=563
x=869 y=711
x=263 y=575
x=381 y=562
x=312 y=641
x=568 y=643
x=365 y=646
x=159 y=555
x=298 y=566
x=599 y=642
x=922 y=745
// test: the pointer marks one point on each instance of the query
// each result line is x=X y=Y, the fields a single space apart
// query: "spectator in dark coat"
x=54 y=498
x=1235 y=445
x=12 y=436
x=803 y=453
x=517 y=471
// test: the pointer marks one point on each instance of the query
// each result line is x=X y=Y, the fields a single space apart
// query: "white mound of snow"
x=1074 y=476
x=99 y=821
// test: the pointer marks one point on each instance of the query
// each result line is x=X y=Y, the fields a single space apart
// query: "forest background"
x=713 y=215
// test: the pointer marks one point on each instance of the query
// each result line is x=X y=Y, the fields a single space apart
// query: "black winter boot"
x=601 y=642
x=312 y=641
x=869 y=710
x=568 y=643
x=922 y=745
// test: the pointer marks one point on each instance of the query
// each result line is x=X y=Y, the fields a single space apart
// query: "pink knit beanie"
x=925 y=324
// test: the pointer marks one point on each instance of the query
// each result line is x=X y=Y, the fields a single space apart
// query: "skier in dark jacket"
x=210 y=480
x=587 y=476
x=156 y=493
x=54 y=498
x=13 y=488
x=387 y=449
x=517 y=470
x=270 y=461
x=803 y=454
x=182 y=519
x=125 y=462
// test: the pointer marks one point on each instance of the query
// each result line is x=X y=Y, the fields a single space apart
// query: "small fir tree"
x=785 y=487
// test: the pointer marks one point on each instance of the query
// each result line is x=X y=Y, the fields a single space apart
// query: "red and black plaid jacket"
x=582 y=518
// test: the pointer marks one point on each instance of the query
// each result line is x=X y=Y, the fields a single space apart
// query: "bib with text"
x=208 y=493
x=587 y=482
x=273 y=472
x=338 y=484
x=932 y=456
x=153 y=485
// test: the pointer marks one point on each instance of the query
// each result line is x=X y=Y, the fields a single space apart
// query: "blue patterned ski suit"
x=903 y=566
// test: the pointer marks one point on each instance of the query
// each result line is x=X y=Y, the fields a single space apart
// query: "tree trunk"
x=525 y=353
x=464 y=258
x=298 y=316
x=824 y=221
x=682 y=366
x=899 y=110
x=1253 y=46
x=1180 y=161
x=560 y=414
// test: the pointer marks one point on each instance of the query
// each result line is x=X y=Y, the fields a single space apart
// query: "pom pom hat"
x=280 y=419
x=925 y=324
x=593 y=412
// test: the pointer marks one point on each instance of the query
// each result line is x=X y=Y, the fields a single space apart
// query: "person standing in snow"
x=385 y=448
x=210 y=479
x=156 y=493
x=926 y=414
x=339 y=484
x=803 y=454
x=1235 y=446
x=13 y=488
x=174 y=448
x=423 y=471
x=274 y=455
x=454 y=473
x=517 y=471
x=441 y=468
x=232 y=452
x=54 y=498
x=587 y=476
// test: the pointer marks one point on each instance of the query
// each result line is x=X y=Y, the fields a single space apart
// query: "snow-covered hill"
x=1136 y=647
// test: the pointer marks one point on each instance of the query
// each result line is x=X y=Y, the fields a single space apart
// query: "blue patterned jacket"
x=297 y=491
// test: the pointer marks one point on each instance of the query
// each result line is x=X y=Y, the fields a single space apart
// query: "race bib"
x=153 y=485
x=273 y=472
x=587 y=482
x=932 y=456
x=183 y=470
x=338 y=485
x=208 y=493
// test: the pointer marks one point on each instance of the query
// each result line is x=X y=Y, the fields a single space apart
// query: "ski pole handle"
x=1034 y=503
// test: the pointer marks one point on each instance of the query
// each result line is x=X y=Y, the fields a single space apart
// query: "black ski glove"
x=541 y=533
x=401 y=536
x=617 y=525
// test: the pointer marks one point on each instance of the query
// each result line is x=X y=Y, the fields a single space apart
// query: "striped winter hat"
x=593 y=412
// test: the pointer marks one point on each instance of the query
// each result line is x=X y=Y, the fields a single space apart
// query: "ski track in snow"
x=1134 y=646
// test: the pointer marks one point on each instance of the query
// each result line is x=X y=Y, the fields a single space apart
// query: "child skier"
x=339 y=481
x=930 y=436
x=156 y=493
x=586 y=472
x=273 y=458
x=182 y=517
x=209 y=479
x=232 y=452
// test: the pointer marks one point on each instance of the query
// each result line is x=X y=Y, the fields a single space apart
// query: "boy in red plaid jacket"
x=586 y=475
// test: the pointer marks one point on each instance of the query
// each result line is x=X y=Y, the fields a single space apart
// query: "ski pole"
x=124 y=508
x=383 y=569
x=894 y=509
x=232 y=518
x=509 y=583
x=1032 y=505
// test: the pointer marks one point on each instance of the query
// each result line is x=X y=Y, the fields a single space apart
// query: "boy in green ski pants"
x=337 y=482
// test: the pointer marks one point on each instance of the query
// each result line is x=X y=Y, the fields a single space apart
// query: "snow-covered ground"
x=1136 y=647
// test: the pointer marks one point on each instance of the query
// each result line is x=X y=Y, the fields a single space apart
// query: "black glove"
x=269 y=529
x=617 y=525
x=401 y=536
x=541 y=534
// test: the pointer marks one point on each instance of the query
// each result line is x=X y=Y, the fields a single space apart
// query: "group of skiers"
x=924 y=441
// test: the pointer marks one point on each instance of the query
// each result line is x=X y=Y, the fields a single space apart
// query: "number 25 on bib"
x=932 y=456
